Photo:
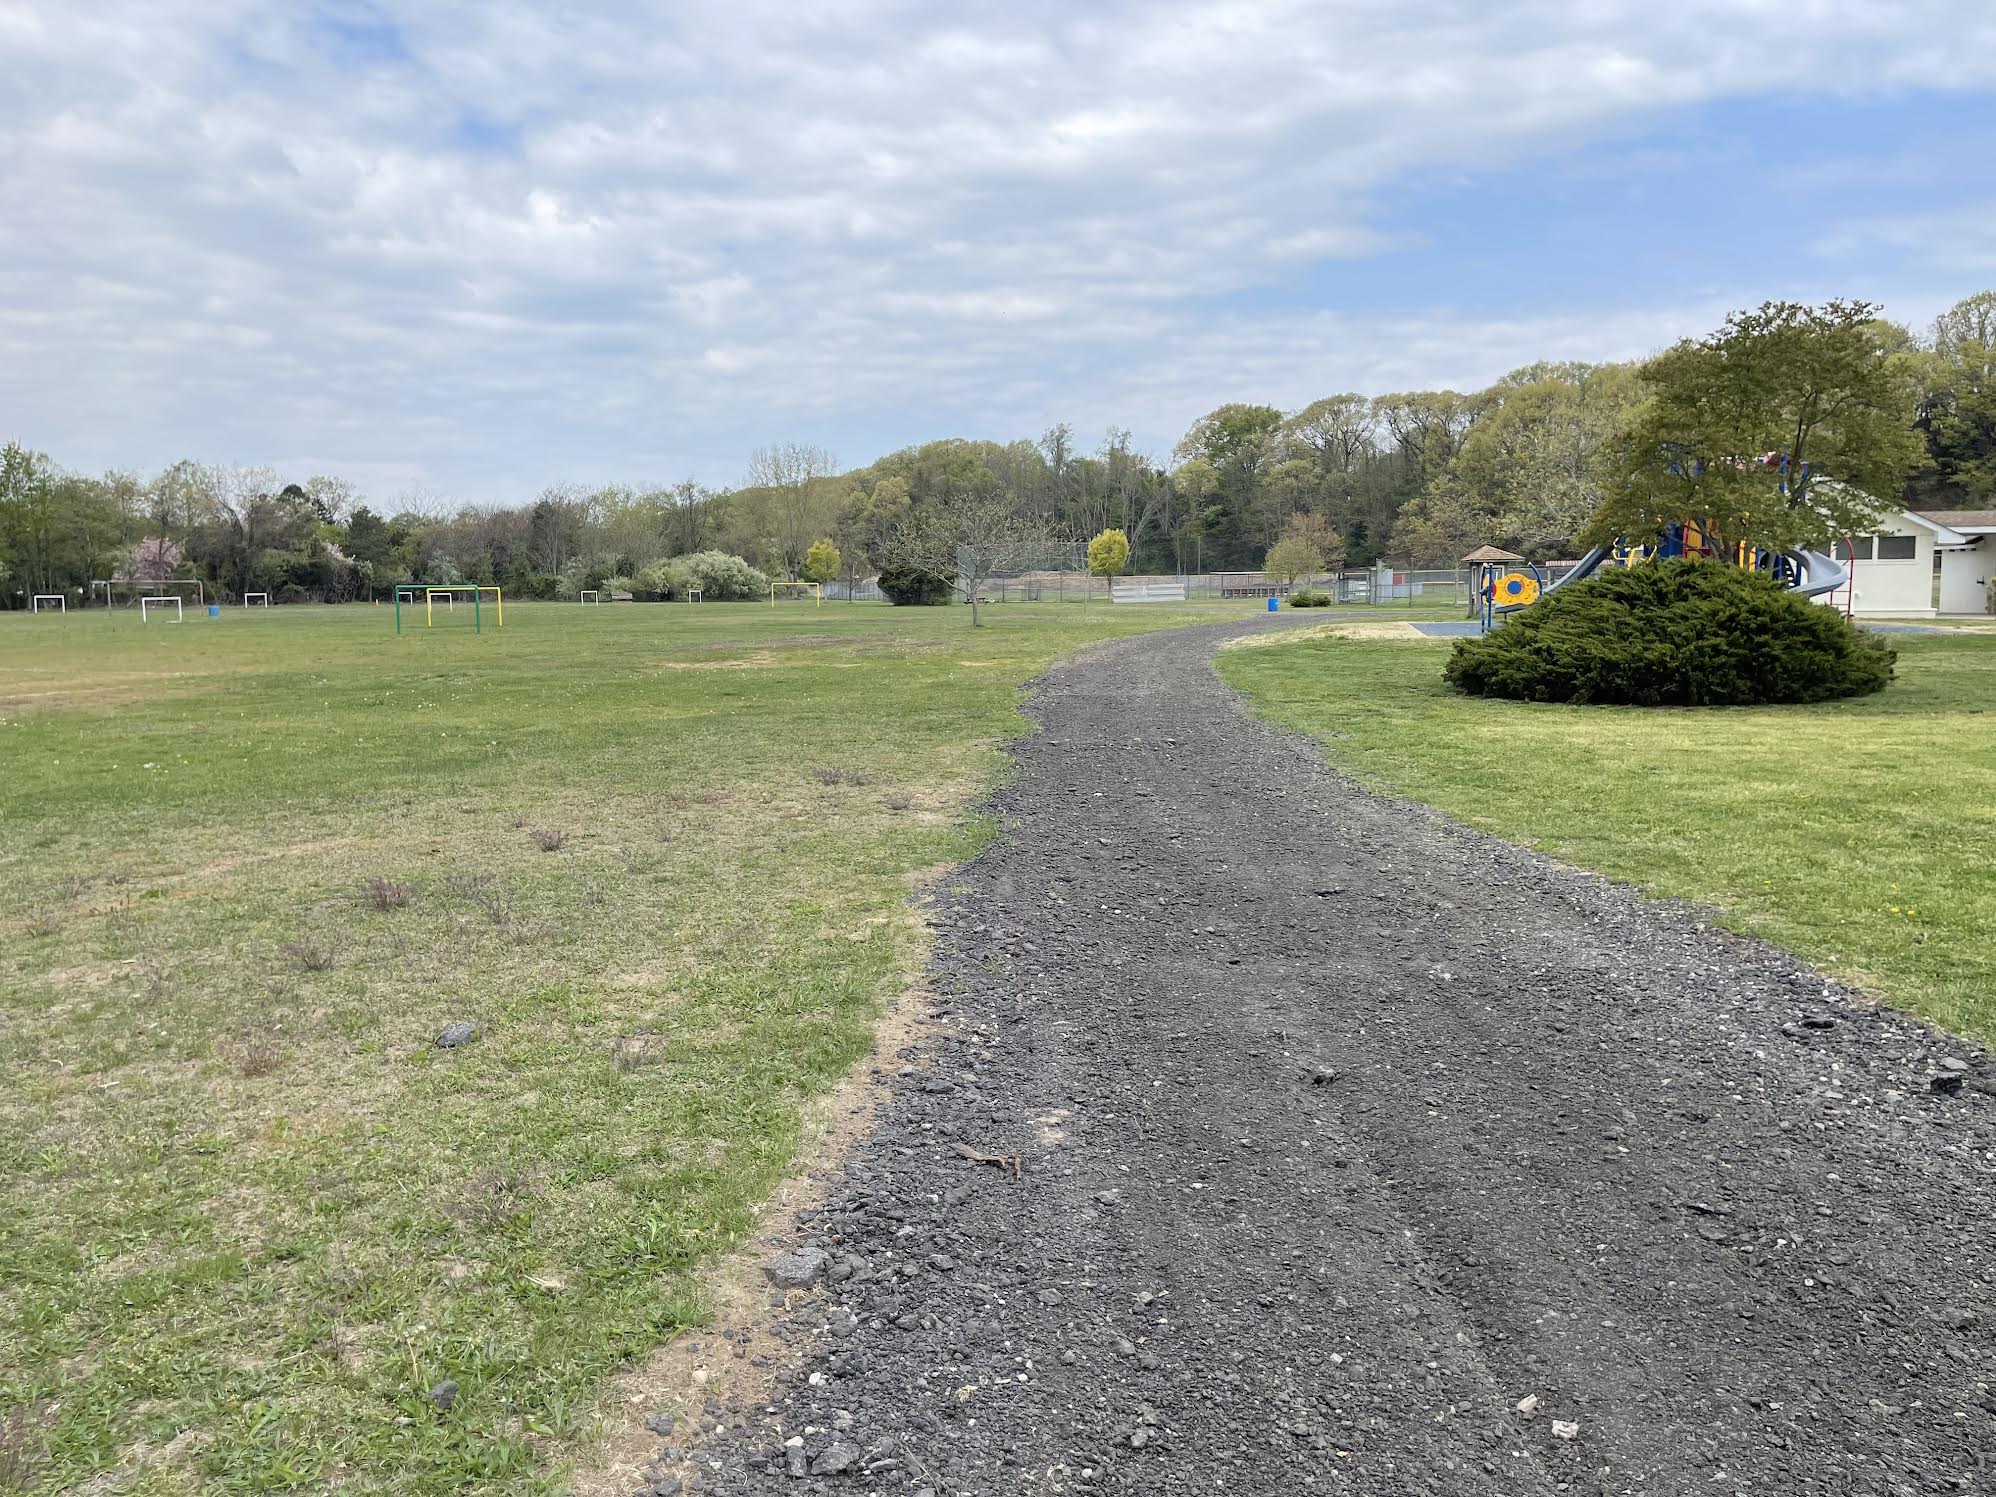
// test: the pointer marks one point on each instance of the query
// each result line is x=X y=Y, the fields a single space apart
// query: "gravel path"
x=1361 y=1152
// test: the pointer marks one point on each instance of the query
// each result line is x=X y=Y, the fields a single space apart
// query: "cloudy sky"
x=469 y=249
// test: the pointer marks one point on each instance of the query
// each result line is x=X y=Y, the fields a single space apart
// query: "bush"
x=1681 y=633
x=721 y=578
x=906 y=585
x=1308 y=599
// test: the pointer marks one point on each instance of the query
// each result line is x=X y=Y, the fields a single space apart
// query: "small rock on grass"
x=457 y=1032
x=444 y=1394
x=798 y=1269
x=660 y=1423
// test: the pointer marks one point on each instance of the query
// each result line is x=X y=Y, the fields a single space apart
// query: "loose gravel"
x=1357 y=1151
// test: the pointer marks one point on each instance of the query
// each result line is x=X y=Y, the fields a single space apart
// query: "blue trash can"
x=1272 y=605
x=214 y=610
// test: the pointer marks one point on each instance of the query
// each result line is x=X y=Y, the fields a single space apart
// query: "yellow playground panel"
x=817 y=591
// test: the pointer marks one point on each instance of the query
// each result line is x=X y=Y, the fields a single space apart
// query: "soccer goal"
x=590 y=595
x=139 y=588
x=693 y=595
x=261 y=599
x=35 y=603
x=179 y=612
x=792 y=589
x=448 y=592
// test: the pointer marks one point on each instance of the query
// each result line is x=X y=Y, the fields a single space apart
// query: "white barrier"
x=1147 y=592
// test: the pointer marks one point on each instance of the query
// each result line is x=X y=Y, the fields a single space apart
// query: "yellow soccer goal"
x=792 y=589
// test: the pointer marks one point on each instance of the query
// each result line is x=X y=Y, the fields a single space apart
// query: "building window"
x=1841 y=550
x=1898 y=547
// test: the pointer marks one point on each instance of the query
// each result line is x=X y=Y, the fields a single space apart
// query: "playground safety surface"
x=1358 y=1151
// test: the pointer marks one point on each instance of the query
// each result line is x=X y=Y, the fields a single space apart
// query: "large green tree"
x=1531 y=461
x=1958 y=405
x=1790 y=425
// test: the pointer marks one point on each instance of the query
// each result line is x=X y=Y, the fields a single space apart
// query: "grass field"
x=1859 y=834
x=660 y=857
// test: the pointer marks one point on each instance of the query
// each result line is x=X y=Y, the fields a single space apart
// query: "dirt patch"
x=733 y=1365
x=755 y=660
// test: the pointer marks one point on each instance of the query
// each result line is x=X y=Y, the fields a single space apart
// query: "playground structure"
x=431 y=591
x=35 y=603
x=817 y=591
x=1811 y=574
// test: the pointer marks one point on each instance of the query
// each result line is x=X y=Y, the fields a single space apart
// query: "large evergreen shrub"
x=906 y=585
x=1681 y=633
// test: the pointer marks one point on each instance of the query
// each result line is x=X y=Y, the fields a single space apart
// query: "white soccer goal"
x=61 y=603
x=179 y=612
x=693 y=595
x=249 y=598
x=590 y=595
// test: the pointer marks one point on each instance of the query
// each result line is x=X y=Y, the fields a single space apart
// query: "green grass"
x=249 y=1212
x=1858 y=834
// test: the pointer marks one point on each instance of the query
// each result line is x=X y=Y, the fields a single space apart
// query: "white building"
x=1892 y=569
x=1968 y=561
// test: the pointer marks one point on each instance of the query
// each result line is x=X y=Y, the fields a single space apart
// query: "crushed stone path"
x=1363 y=1153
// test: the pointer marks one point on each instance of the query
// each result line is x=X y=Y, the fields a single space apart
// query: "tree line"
x=1549 y=456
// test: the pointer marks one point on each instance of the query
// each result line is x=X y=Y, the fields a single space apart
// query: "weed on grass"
x=22 y=1432
x=310 y=954
x=385 y=894
x=550 y=839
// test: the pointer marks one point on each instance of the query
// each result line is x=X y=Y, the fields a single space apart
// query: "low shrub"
x=1308 y=599
x=720 y=576
x=1680 y=633
x=911 y=586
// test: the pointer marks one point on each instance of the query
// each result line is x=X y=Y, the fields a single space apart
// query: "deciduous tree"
x=1790 y=425
x=1108 y=555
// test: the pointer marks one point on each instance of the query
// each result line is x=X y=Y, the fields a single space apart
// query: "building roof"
x=1491 y=553
x=1961 y=519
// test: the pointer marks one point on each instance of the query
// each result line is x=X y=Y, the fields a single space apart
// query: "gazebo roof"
x=1491 y=553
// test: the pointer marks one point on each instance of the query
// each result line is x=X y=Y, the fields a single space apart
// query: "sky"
x=458 y=251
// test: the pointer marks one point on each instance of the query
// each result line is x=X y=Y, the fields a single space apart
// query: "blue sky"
x=464 y=250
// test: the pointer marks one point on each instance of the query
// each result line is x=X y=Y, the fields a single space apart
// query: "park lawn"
x=249 y=1211
x=1858 y=834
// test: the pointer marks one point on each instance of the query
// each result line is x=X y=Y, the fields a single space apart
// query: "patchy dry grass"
x=250 y=1212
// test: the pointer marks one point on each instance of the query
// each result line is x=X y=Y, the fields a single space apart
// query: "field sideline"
x=1857 y=834
x=661 y=857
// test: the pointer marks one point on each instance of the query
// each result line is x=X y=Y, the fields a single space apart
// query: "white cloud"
x=490 y=245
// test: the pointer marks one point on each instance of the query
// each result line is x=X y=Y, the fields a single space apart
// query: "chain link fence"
x=1379 y=587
